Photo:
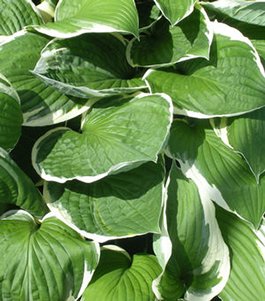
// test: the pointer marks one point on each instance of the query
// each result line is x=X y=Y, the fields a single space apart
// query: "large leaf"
x=88 y=65
x=199 y=263
x=17 y=189
x=220 y=172
x=116 y=133
x=75 y=17
x=231 y=83
x=175 y=10
x=41 y=105
x=251 y=12
x=119 y=278
x=112 y=207
x=10 y=115
x=43 y=261
x=166 y=45
x=246 y=281
x=16 y=14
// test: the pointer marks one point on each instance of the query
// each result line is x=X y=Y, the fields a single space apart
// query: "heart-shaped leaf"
x=116 y=133
x=97 y=67
x=246 y=280
x=203 y=89
x=75 y=17
x=175 y=10
x=112 y=207
x=10 y=115
x=16 y=14
x=17 y=189
x=43 y=261
x=167 y=45
x=199 y=263
x=216 y=169
x=119 y=278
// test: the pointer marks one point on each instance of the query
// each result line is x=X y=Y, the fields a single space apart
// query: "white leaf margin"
x=113 y=169
x=234 y=35
x=219 y=251
x=186 y=57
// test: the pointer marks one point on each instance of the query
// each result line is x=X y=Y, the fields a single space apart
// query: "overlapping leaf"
x=199 y=263
x=75 y=17
x=119 y=278
x=251 y=12
x=203 y=89
x=175 y=10
x=89 y=65
x=10 y=115
x=17 y=189
x=41 y=105
x=112 y=207
x=246 y=134
x=148 y=13
x=16 y=14
x=116 y=133
x=47 y=261
x=165 y=45
x=217 y=169
x=246 y=281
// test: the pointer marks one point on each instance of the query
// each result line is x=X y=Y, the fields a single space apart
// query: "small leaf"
x=199 y=263
x=148 y=13
x=246 y=281
x=47 y=261
x=41 y=105
x=216 y=169
x=17 y=189
x=16 y=14
x=112 y=207
x=116 y=134
x=119 y=278
x=203 y=89
x=76 y=17
x=10 y=115
x=175 y=10
x=96 y=67
x=166 y=45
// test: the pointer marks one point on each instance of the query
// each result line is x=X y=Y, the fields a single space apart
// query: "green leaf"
x=16 y=14
x=88 y=65
x=166 y=45
x=203 y=89
x=116 y=133
x=246 y=281
x=148 y=13
x=47 y=261
x=41 y=105
x=199 y=264
x=217 y=170
x=175 y=10
x=119 y=278
x=10 y=115
x=251 y=12
x=112 y=207
x=76 y=17
x=17 y=189
x=246 y=135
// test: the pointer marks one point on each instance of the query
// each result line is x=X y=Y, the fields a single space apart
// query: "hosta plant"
x=132 y=150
